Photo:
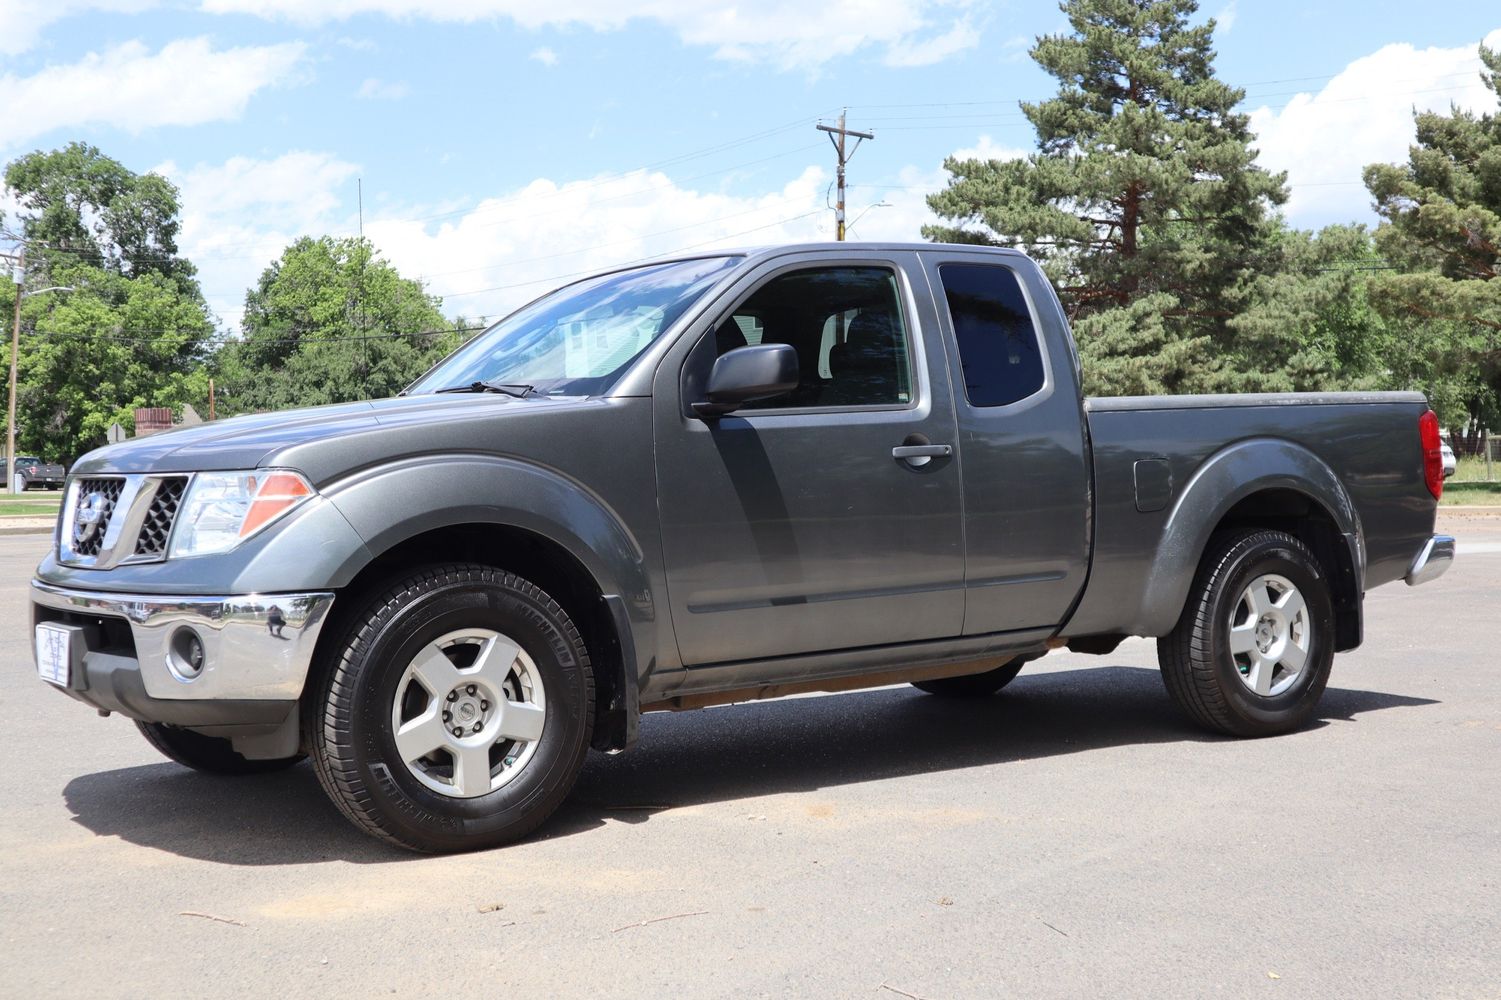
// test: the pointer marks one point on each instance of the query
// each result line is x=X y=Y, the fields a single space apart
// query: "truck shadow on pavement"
x=690 y=758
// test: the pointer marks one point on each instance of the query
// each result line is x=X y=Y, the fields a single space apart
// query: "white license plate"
x=54 y=653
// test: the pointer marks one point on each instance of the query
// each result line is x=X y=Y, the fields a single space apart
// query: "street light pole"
x=15 y=347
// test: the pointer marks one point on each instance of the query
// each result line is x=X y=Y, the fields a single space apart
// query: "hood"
x=251 y=441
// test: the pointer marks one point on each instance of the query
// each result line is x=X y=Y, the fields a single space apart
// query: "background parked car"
x=1450 y=462
x=33 y=472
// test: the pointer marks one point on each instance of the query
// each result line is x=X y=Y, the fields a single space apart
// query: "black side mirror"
x=747 y=374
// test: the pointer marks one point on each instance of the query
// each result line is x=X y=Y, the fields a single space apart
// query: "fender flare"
x=391 y=504
x=1226 y=478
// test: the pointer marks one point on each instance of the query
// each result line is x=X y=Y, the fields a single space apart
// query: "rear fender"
x=1222 y=481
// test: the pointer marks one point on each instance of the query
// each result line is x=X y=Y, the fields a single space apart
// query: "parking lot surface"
x=1072 y=836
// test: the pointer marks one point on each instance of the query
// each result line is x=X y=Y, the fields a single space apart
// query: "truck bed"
x=1155 y=456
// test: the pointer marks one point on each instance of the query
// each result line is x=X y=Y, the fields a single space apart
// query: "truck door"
x=1021 y=436
x=794 y=525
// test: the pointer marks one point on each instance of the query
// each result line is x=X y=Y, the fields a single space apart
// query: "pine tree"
x=1442 y=230
x=1143 y=201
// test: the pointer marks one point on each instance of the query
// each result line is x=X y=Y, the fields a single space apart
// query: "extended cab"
x=714 y=479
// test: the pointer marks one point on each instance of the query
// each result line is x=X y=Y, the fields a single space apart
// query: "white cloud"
x=508 y=249
x=237 y=216
x=935 y=49
x=358 y=44
x=487 y=259
x=188 y=82
x=23 y=21
x=545 y=56
x=379 y=90
x=1363 y=115
x=1016 y=48
x=1224 y=21
x=788 y=33
x=988 y=149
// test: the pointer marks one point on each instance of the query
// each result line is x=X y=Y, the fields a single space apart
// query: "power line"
x=1255 y=83
x=221 y=341
x=520 y=198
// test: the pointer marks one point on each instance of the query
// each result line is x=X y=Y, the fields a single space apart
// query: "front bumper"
x=257 y=650
x=1432 y=562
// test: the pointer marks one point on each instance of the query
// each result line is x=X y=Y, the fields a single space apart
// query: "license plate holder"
x=59 y=650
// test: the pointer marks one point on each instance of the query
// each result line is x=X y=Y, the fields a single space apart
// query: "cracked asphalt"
x=1072 y=836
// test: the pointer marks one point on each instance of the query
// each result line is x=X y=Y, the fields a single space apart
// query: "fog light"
x=186 y=655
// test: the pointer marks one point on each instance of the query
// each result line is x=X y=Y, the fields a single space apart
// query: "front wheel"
x=973 y=685
x=457 y=713
x=210 y=754
x=1252 y=652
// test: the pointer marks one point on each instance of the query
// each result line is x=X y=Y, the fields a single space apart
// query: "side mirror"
x=747 y=374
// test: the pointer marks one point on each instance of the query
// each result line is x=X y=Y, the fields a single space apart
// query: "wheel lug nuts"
x=453 y=696
x=471 y=689
x=458 y=731
x=478 y=727
x=484 y=706
x=447 y=715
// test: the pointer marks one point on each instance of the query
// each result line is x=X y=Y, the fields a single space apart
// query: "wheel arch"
x=520 y=518
x=1260 y=483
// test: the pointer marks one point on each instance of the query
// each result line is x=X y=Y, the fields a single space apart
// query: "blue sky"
x=505 y=144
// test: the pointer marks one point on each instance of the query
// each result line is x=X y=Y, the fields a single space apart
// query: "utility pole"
x=844 y=157
x=15 y=347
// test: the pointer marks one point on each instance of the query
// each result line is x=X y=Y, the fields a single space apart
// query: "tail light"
x=1433 y=455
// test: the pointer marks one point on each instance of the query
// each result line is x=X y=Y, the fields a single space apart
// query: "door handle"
x=907 y=451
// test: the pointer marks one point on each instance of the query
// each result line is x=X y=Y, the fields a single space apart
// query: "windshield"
x=578 y=340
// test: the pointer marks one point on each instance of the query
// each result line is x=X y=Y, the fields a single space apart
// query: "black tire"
x=210 y=754
x=352 y=732
x=973 y=685
x=1201 y=673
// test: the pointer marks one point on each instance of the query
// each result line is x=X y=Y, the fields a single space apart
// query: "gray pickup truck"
x=710 y=480
x=32 y=471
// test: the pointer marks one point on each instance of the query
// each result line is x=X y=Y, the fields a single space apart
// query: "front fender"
x=391 y=504
x=1225 y=479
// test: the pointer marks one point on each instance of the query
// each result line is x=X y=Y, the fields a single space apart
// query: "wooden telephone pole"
x=844 y=157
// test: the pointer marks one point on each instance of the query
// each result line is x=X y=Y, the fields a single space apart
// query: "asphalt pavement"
x=1070 y=837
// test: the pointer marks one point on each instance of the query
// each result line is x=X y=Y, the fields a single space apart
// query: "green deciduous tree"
x=83 y=207
x=328 y=322
x=1442 y=230
x=133 y=330
x=90 y=357
x=1310 y=324
x=1143 y=201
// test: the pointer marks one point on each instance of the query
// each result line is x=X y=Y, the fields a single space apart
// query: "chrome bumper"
x=256 y=647
x=1431 y=563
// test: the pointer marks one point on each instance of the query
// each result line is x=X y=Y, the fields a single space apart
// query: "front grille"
x=96 y=505
x=152 y=540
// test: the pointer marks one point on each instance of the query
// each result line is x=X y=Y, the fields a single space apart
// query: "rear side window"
x=998 y=347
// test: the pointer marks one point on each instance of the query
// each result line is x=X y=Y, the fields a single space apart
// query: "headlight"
x=222 y=509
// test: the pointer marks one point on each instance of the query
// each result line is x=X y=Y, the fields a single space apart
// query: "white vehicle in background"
x=1451 y=464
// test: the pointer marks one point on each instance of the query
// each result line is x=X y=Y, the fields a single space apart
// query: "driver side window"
x=847 y=327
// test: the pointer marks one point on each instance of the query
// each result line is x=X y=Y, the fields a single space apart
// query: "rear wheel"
x=1252 y=652
x=973 y=685
x=458 y=711
x=209 y=754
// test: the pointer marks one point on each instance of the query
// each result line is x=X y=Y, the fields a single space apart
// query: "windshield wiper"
x=513 y=389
